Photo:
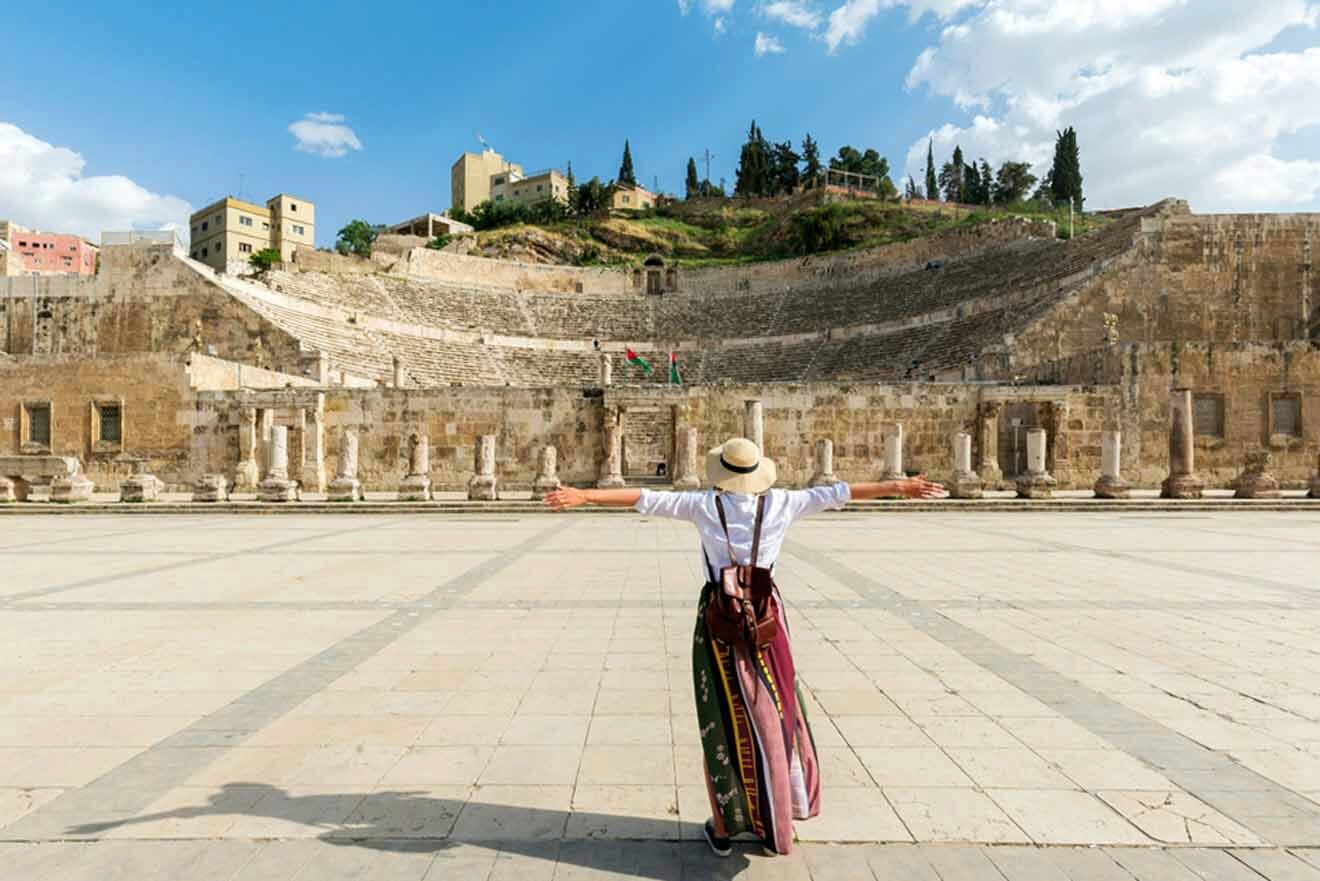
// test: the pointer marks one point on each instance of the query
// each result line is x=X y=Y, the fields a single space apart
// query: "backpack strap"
x=719 y=508
x=756 y=534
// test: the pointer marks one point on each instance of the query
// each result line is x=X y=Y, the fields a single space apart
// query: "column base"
x=893 y=475
x=1257 y=485
x=74 y=488
x=482 y=488
x=965 y=485
x=344 y=490
x=275 y=490
x=7 y=490
x=991 y=476
x=611 y=482
x=140 y=488
x=246 y=476
x=415 y=488
x=1036 y=486
x=211 y=488
x=1182 y=486
x=1112 y=488
x=544 y=486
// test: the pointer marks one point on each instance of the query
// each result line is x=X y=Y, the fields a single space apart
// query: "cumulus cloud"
x=324 y=135
x=848 y=22
x=794 y=13
x=1169 y=98
x=718 y=10
x=767 y=44
x=43 y=186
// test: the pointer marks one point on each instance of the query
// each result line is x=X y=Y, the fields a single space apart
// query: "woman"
x=760 y=760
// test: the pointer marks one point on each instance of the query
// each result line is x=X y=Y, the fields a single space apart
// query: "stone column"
x=1256 y=481
x=346 y=487
x=685 y=456
x=1111 y=484
x=1037 y=482
x=416 y=487
x=1182 y=482
x=990 y=472
x=824 y=473
x=611 y=469
x=893 y=443
x=754 y=425
x=547 y=473
x=211 y=488
x=140 y=486
x=606 y=370
x=1315 y=482
x=313 y=466
x=247 y=474
x=277 y=487
x=398 y=372
x=7 y=490
x=966 y=483
x=481 y=487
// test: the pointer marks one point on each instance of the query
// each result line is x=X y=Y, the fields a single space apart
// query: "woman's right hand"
x=565 y=497
x=920 y=488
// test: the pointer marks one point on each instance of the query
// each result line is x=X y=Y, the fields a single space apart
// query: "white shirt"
x=782 y=508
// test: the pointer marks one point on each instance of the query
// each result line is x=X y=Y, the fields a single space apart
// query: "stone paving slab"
x=1088 y=696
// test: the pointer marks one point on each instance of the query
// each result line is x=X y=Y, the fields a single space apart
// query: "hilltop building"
x=25 y=251
x=630 y=197
x=489 y=177
x=233 y=230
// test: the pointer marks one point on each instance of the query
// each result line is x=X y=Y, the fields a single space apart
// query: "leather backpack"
x=742 y=609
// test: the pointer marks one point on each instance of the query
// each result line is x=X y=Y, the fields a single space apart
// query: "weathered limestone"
x=606 y=370
x=247 y=474
x=7 y=490
x=991 y=473
x=1315 y=482
x=1256 y=481
x=71 y=488
x=346 y=487
x=416 y=486
x=1182 y=482
x=966 y=483
x=1037 y=482
x=611 y=468
x=893 y=443
x=313 y=464
x=685 y=465
x=140 y=486
x=277 y=487
x=547 y=473
x=1111 y=484
x=398 y=372
x=481 y=487
x=754 y=424
x=211 y=488
x=824 y=474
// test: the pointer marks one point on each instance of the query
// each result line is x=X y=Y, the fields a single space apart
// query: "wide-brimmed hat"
x=738 y=466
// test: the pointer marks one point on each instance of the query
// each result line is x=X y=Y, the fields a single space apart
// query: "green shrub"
x=264 y=259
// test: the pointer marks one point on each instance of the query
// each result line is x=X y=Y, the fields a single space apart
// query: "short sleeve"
x=674 y=505
x=805 y=502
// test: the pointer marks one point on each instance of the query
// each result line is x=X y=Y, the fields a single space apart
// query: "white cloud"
x=43 y=186
x=794 y=13
x=324 y=135
x=847 y=23
x=720 y=26
x=717 y=10
x=1169 y=97
x=768 y=44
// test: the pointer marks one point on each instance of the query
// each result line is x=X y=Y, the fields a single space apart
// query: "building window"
x=36 y=422
x=265 y=225
x=626 y=199
x=499 y=181
x=1208 y=415
x=216 y=219
x=204 y=223
x=293 y=206
x=219 y=248
x=244 y=220
x=1285 y=415
x=203 y=252
x=244 y=248
x=110 y=426
x=539 y=188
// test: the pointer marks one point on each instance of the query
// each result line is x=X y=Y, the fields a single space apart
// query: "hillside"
x=720 y=231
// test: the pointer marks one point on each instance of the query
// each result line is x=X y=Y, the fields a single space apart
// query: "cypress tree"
x=1066 y=173
x=987 y=183
x=972 y=183
x=932 y=184
x=693 y=182
x=626 y=175
x=811 y=167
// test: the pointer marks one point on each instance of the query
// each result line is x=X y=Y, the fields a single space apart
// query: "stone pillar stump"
x=7 y=490
x=1037 y=483
x=991 y=473
x=140 y=486
x=346 y=487
x=416 y=486
x=1111 y=484
x=1182 y=482
x=685 y=466
x=547 y=473
x=824 y=474
x=1256 y=481
x=893 y=446
x=73 y=488
x=606 y=370
x=277 y=487
x=966 y=483
x=247 y=474
x=481 y=487
x=611 y=469
x=211 y=488
x=754 y=424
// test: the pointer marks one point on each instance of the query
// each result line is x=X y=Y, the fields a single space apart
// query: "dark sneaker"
x=721 y=846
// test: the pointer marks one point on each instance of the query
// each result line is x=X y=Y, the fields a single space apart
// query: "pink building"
x=52 y=253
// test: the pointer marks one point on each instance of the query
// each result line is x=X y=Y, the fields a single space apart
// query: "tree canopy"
x=626 y=174
x=1013 y=182
x=1066 y=172
x=357 y=237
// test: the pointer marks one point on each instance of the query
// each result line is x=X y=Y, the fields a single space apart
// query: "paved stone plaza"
x=1031 y=697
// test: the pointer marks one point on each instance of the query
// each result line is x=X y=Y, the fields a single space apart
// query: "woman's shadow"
x=412 y=821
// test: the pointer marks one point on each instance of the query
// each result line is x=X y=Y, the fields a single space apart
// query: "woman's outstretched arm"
x=571 y=497
x=912 y=487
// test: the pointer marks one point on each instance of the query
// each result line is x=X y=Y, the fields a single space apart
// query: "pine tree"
x=1066 y=173
x=784 y=169
x=753 y=175
x=626 y=175
x=932 y=184
x=811 y=167
x=1013 y=182
x=693 y=182
x=952 y=177
x=987 y=184
x=572 y=181
x=972 y=183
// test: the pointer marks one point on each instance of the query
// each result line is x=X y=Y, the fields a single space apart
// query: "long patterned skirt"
x=761 y=769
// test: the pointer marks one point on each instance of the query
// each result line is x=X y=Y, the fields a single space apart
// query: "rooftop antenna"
x=655 y=183
x=709 y=156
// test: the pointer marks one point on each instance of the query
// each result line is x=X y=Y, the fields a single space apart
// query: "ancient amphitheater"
x=992 y=330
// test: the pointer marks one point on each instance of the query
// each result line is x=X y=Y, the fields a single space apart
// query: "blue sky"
x=178 y=103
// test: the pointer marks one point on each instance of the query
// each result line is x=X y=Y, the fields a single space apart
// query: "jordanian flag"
x=674 y=378
x=637 y=360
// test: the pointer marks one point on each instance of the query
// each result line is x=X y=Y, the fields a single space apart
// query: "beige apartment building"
x=232 y=230
x=514 y=187
x=471 y=176
x=632 y=198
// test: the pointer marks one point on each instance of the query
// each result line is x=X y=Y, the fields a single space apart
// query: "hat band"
x=737 y=469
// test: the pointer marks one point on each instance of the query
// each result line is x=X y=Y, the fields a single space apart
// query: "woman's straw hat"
x=738 y=466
